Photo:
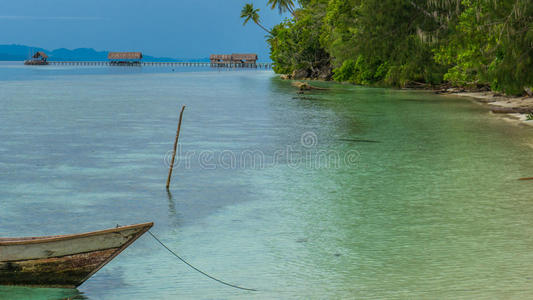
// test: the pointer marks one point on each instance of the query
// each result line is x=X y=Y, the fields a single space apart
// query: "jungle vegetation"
x=464 y=43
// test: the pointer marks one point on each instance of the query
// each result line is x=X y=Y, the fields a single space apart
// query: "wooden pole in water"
x=175 y=147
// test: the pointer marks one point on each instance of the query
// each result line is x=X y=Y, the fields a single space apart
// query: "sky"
x=171 y=28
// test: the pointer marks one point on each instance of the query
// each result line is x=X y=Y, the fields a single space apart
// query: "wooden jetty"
x=131 y=59
x=164 y=64
x=63 y=260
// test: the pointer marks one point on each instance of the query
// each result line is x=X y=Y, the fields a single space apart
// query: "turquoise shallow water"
x=348 y=193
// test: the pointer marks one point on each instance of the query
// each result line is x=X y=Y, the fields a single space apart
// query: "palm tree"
x=248 y=13
x=282 y=5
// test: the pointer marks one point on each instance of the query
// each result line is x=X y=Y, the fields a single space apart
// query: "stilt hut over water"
x=124 y=58
x=233 y=60
x=39 y=58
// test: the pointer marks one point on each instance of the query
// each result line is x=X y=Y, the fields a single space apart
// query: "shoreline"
x=511 y=108
x=515 y=109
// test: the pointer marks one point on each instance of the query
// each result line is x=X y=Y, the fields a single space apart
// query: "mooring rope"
x=196 y=269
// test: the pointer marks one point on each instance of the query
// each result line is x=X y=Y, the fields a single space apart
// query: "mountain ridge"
x=15 y=52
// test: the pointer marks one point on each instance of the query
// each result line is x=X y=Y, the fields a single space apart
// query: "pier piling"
x=175 y=147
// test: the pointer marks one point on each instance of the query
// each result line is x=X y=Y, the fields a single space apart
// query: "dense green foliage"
x=248 y=13
x=490 y=42
x=295 y=45
x=468 y=43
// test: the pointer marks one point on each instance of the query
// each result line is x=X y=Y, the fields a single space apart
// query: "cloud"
x=50 y=18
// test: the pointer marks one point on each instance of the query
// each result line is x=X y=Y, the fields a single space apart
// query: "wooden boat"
x=63 y=260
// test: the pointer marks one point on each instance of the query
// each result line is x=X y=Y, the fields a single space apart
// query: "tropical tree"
x=468 y=43
x=248 y=13
x=282 y=5
x=295 y=44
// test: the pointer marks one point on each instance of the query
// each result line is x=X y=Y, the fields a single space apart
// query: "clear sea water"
x=347 y=193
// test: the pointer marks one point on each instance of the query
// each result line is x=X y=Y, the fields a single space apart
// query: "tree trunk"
x=263 y=27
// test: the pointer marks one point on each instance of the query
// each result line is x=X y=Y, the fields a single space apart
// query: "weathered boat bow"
x=63 y=260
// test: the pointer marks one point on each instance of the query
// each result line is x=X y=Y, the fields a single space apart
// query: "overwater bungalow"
x=39 y=58
x=124 y=58
x=233 y=60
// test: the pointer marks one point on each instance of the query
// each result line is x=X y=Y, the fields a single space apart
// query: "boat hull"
x=63 y=261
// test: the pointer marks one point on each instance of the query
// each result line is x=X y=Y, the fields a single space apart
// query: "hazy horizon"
x=163 y=28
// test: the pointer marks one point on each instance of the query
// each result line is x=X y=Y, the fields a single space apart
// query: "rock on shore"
x=324 y=73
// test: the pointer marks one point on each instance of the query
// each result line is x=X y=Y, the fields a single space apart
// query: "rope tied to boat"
x=196 y=269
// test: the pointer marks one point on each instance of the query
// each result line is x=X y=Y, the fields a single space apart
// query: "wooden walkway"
x=167 y=64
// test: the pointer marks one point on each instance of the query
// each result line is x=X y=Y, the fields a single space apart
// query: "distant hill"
x=21 y=52
x=17 y=52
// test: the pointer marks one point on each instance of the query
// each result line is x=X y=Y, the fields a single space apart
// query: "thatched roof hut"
x=220 y=57
x=38 y=58
x=40 y=55
x=124 y=55
x=250 y=57
x=233 y=58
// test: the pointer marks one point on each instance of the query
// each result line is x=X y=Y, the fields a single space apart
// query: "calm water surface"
x=348 y=193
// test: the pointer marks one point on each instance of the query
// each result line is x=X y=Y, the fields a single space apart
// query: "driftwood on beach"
x=511 y=110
